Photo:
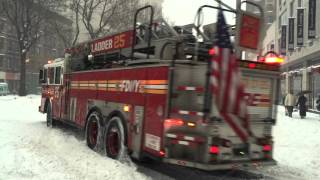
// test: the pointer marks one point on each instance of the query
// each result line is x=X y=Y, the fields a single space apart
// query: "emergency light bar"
x=258 y=65
x=271 y=57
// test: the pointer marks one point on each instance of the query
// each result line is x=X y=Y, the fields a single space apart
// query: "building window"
x=296 y=81
x=2 y=40
x=284 y=18
x=272 y=47
x=291 y=9
x=1 y=61
x=269 y=8
x=269 y=19
x=2 y=25
x=51 y=75
x=58 y=75
x=300 y=2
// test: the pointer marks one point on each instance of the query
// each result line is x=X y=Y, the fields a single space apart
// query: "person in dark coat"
x=302 y=103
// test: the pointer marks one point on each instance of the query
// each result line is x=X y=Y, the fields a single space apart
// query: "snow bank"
x=30 y=150
x=297 y=147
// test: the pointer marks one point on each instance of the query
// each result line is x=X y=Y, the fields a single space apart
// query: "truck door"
x=57 y=92
x=65 y=98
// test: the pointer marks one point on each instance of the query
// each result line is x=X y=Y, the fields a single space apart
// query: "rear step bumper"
x=222 y=166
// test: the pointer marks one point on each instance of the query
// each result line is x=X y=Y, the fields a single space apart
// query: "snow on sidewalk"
x=30 y=150
x=297 y=147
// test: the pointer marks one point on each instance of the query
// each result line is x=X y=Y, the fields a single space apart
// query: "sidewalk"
x=309 y=110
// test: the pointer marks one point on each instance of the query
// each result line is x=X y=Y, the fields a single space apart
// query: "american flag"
x=228 y=92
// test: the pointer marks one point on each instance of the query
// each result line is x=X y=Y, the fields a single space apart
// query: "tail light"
x=162 y=153
x=212 y=52
x=173 y=122
x=214 y=149
x=267 y=148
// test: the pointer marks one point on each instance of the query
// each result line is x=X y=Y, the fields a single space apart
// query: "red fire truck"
x=144 y=92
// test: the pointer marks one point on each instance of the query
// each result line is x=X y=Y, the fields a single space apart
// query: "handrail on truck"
x=207 y=93
x=135 y=30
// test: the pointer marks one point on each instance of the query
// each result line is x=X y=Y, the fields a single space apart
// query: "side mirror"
x=42 y=76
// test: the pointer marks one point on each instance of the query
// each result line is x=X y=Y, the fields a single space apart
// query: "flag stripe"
x=227 y=88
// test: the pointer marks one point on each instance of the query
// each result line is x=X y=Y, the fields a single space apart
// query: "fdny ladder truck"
x=144 y=92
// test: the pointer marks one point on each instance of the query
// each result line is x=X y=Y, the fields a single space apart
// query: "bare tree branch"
x=28 y=18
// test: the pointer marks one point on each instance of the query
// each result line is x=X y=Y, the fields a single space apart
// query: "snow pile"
x=30 y=150
x=297 y=147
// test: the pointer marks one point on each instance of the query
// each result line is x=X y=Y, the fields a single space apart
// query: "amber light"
x=274 y=60
x=173 y=122
x=191 y=124
x=126 y=108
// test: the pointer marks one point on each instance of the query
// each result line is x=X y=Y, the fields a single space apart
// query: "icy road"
x=30 y=150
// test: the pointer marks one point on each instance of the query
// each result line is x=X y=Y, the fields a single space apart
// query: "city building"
x=49 y=46
x=268 y=7
x=9 y=57
x=296 y=35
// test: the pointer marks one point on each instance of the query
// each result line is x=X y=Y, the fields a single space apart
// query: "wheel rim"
x=93 y=132
x=113 y=141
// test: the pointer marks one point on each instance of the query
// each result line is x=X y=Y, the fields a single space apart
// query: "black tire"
x=93 y=131
x=49 y=116
x=114 y=138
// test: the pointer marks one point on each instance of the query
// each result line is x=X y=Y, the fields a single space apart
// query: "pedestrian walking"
x=289 y=102
x=302 y=104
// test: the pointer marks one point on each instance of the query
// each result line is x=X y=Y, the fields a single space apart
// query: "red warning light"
x=214 y=149
x=252 y=65
x=212 y=52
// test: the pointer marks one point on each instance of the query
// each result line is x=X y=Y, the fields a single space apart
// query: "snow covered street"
x=297 y=147
x=30 y=150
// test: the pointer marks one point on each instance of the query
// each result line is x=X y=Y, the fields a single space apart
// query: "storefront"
x=296 y=82
x=282 y=92
x=315 y=85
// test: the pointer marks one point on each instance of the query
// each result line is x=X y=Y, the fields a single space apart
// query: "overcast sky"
x=182 y=12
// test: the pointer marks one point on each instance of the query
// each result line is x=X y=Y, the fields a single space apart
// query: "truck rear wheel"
x=50 y=120
x=115 y=138
x=93 y=131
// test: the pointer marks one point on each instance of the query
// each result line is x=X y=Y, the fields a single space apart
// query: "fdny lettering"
x=256 y=99
x=252 y=99
x=102 y=45
x=130 y=85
